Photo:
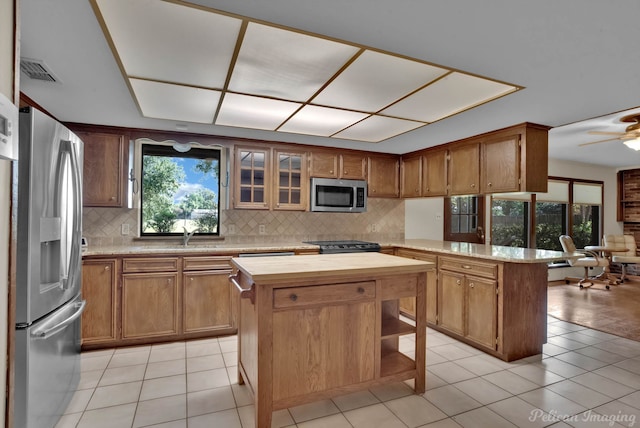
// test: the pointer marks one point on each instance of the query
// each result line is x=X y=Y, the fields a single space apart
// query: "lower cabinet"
x=468 y=307
x=99 y=289
x=408 y=305
x=135 y=300
x=149 y=305
x=207 y=303
x=468 y=304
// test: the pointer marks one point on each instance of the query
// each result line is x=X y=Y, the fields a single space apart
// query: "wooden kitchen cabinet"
x=105 y=170
x=336 y=165
x=434 y=173
x=207 y=300
x=252 y=179
x=464 y=170
x=411 y=177
x=383 y=177
x=150 y=299
x=501 y=164
x=468 y=299
x=308 y=333
x=99 y=290
x=408 y=305
x=291 y=187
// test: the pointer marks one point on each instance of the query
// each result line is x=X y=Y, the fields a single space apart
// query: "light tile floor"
x=584 y=378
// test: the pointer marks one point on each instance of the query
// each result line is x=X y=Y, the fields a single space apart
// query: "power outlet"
x=124 y=229
x=374 y=227
x=262 y=230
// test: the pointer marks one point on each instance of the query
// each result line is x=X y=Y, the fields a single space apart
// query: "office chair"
x=587 y=262
x=624 y=258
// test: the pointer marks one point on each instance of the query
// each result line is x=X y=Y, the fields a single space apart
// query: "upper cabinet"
x=104 y=172
x=259 y=170
x=411 y=177
x=464 y=169
x=334 y=165
x=513 y=159
x=252 y=178
x=291 y=180
x=434 y=173
x=382 y=176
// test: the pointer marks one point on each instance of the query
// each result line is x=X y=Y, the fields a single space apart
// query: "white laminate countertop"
x=481 y=251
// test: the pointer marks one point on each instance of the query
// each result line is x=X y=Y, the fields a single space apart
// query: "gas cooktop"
x=347 y=246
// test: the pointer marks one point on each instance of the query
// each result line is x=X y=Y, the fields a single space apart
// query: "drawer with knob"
x=321 y=295
x=467 y=267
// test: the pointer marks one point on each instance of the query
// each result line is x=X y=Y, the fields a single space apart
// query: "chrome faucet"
x=187 y=235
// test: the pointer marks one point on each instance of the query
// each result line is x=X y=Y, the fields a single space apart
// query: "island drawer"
x=150 y=264
x=487 y=270
x=323 y=294
x=206 y=263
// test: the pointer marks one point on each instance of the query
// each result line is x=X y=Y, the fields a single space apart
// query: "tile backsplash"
x=384 y=220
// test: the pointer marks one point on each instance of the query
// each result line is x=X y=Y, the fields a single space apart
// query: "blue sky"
x=193 y=180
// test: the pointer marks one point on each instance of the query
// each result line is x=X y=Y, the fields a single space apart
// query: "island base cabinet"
x=304 y=340
x=328 y=331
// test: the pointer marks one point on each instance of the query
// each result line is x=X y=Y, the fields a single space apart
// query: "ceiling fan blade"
x=605 y=133
x=596 y=142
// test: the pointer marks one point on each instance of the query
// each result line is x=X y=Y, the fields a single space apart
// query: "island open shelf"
x=316 y=326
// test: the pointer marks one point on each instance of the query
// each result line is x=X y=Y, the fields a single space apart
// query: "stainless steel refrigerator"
x=47 y=200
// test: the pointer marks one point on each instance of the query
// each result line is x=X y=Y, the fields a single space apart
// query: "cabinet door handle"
x=360 y=290
x=107 y=268
x=473 y=185
x=471 y=285
x=489 y=184
x=293 y=297
x=458 y=282
x=466 y=267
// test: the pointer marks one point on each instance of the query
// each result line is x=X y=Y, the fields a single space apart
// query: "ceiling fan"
x=630 y=137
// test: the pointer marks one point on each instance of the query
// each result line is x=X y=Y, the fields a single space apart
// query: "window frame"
x=567 y=211
x=165 y=148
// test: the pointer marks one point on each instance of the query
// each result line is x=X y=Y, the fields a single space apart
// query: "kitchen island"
x=316 y=326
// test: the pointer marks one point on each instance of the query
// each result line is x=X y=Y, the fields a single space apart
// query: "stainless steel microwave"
x=335 y=195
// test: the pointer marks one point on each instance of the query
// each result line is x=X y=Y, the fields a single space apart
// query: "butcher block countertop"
x=264 y=270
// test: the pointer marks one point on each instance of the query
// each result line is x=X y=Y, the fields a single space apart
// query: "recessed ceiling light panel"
x=175 y=102
x=164 y=41
x=377 y=128
x=286 y=64
x=254 y=112
x=450 y=95
x=321 y=121
x=375 y=80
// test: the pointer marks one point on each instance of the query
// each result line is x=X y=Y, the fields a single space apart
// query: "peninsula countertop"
x=482 y=251
x=273 y=270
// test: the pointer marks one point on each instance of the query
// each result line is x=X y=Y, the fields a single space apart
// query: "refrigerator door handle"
x=71 y=265
x=45 y=331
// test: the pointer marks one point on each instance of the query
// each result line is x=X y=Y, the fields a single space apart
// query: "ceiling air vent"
x=37 y=69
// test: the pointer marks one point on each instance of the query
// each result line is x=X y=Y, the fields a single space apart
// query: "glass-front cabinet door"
x=252 y=173
x=291 y=180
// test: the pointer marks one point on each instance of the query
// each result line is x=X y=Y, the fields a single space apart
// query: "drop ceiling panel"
x=254 y=112
x=375 y=80
x=322 y=121
x=286 y=64
x=449 y=95
x=169 y=42
x=175 y=102
x=377 y=128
